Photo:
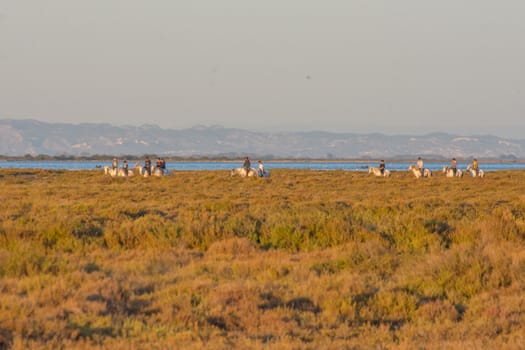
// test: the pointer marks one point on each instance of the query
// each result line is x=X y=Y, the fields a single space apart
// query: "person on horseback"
x=114 y=165
x=147 y=165
x=246 y=165
x=260 y=169
x=382 y=166
x=162 y=165
x=475 y=166
x=125 y=167
x=420 y=165
x=453 y=166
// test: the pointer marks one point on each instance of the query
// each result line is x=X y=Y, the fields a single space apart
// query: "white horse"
x=110 y=171
x=160 y=172
x=417 y=172
x=242 y=172
x=449 y=172
x=122 y=172
x=117 y=172
x=377 y=171
x=479 y=173
x=141 y=170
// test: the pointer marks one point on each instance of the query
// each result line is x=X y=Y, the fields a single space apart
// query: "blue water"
x=313 y=165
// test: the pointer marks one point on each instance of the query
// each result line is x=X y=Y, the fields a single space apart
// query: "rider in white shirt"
x=261 y=169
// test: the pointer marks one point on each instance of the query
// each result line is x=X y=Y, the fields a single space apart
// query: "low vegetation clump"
x=303 y=260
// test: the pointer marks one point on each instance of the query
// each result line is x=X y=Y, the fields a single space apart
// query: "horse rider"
x=382 y=166
x=475 y=166
x=114 y=165
x=158 y=163
x=147 y=165
x=125 y=167
x=453 y=166
x=246 y=165
x=420 y=165
x=261 y=169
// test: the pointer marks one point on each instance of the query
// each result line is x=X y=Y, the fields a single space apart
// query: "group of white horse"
x=138 y=170
x=449 y=172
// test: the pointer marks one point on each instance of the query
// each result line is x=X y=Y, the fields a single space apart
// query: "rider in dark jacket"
x=246 y=165
x=382 y=166
x=147 y=165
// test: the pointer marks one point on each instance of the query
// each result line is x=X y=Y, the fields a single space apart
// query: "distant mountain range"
x=21 y=137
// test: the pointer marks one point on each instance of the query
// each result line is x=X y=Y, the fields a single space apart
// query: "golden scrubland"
x=303 y=260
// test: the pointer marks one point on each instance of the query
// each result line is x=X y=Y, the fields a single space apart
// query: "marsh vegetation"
x=303 y=260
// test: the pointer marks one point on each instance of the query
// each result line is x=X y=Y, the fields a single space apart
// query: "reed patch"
x=309 y=259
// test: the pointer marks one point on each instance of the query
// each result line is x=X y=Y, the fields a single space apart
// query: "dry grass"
x=304 y=260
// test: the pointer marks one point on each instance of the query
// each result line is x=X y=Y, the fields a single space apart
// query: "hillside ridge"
x=22 y=137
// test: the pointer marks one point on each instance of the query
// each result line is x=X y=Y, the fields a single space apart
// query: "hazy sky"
x=390 y=66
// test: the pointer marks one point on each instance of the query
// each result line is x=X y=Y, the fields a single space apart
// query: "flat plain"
x=303 y=260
